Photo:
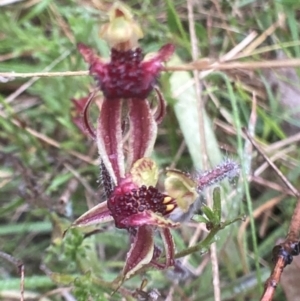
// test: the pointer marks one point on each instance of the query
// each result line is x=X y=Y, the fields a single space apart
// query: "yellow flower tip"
x=167 y=199
x=122 y=32
x=170 y=207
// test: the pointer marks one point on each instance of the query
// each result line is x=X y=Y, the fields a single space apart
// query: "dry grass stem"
x=275 y=168
x=34 y=78
x=47 y=139
x=21 y=269
x=238 y=48
x=278 y=155
x=282 y=143
x=271 y=185
x=263 y=36
x=204 y=64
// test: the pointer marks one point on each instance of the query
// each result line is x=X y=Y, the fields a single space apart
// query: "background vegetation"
x=49 y=169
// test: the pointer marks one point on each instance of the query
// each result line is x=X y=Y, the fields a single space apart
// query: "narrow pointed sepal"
x=109 y=138
x=97 y=215
x=141 y=251
x=154 y=63
x=89 y=55
x=169 y=246
x=143 y=130
x=160 y=111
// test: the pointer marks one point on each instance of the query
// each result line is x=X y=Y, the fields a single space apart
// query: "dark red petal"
x=165 y=52
x=87 y=53
x=96 y=215
x=143 y=130
x=169 y=251
x=161 y=107
x=169 y=246
x=123 y=77
x=80 y=117
x=109 y=138
x=141 y=251
x=79 y=104
x=86 y=121
x=153 y=66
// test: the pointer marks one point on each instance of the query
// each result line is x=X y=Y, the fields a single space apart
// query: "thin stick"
x=20 y=266
x=275 y=168
x=270 y=184
x=263 y=36
x=26 y=85
x=237 y=65
x=287 y=249
x=47 y=139
x=294 y=228
x=272 y=282
x=184 y=67
x=201 y=108
x=290 y=247
x=44 y=74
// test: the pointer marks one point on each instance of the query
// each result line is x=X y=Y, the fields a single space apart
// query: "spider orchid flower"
x=138 y=206
x=126 y=76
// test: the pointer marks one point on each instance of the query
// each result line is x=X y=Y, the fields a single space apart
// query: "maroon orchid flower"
x=129 y=177
x=130 y=77
x=138 y=206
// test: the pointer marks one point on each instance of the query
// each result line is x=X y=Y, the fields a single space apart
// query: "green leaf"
x=209 y=213
x=217 y=204
x=36 y=10
x=175 y=24
x=63 y=279
x=200 y=219
x=186 y=110
x=58 y=181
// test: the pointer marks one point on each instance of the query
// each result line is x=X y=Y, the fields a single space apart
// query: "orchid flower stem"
x=202 y=246
x=210 y=238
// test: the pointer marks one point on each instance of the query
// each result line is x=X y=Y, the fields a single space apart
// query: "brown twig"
x=275 y=168
x=45 y=138
x=201 y=65
x=284 y=252
x=272 y=282
x=269 y=184
x=20 y=266
x=294 y=228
